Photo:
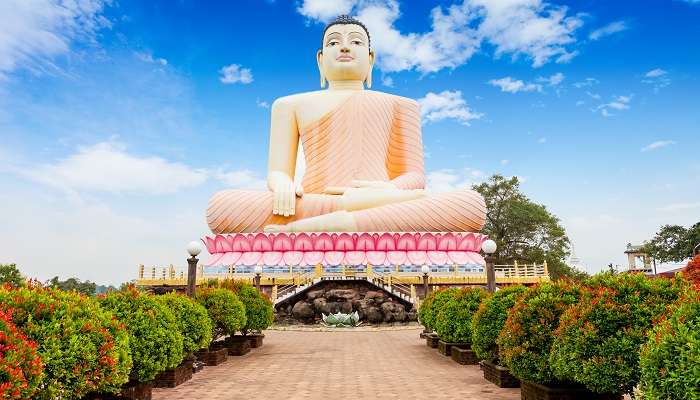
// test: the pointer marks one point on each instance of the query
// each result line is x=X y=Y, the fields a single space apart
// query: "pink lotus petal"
x=376 y=257
x=322 y=242
x=292 y=257
x=230 y=258
x=334 y=258
x=427 y=242
x=365 y=242
x=396 y=257
x=386 y=242
x=406 y=242
x=241 y=243
x=447 y=242
x=417 y=257
x=214 y=260
x=272 y=258
x=303 y=242
x=211 y=245
x=458 y=257
x=438 y=257
x=344 y=242
x=313 y=257
x=262 y=243
x=249 y=258
x=282 y=242
x=355 y=257
x=222 y=244
x=475 y=258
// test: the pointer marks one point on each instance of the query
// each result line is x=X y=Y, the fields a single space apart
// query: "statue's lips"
x=344 y=58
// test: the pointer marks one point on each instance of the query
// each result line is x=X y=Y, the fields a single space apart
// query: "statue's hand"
x=373 y=184
x=284 y=198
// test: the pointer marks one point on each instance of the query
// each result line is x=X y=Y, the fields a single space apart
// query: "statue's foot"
x=276 y=228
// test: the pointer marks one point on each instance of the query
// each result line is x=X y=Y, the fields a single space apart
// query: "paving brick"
x=341 y=365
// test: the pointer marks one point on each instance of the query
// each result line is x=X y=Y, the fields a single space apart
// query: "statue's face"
x=345 y=54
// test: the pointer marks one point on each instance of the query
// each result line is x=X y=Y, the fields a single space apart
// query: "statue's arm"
x=284 y=140
x=405 y=157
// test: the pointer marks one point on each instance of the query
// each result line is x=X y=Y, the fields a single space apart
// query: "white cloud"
x=657 y=145
x=241 y=179
x=609 y=29
x=586 y=82
x=594 y=96
x=618 y=103
x=511 y=85
x=655 y=73
x=447 y=105
x=533 y=29
x=445 y=180
x=388 y=81
x=148 y=58
x=235 y=73
x=580 y=103
x=680 y=207
x=554 y=80
x=107 y=167
x=262 y=104
x=505 y=162
x=33 y=33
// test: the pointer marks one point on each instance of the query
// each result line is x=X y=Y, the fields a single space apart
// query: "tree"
x=9 y=274
x=72 y=284
x=522 y=229
x=673 y=243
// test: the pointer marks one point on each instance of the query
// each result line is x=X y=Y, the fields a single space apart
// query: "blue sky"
x=119 y=119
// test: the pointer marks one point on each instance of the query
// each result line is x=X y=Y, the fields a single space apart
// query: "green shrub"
x=670 y=359
x=598 y=339
x=526 y=338
x=258 y=308
x=10 y=275
x=453 y=323
x=489 y=319
x=155 y=341
x=432 y=304
x=83 y=347
x=20 y=366
x=226 y=311
x=192 y=319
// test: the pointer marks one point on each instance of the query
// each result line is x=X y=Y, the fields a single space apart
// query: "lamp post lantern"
x=425 y=270
x=258 y=270
x=489 y=247
x=193 y=248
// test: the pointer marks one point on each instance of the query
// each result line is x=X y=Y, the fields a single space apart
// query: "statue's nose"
x=344 y=49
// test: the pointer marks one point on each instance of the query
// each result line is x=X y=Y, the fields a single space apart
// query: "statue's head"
x=345 y=52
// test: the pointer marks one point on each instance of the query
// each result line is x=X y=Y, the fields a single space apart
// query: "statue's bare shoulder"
x=294 y=100
x=395 y=98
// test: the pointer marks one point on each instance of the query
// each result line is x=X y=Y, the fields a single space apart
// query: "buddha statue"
x=363 y=153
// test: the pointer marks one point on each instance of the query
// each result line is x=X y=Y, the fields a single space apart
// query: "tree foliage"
x=73 y=284
x=522 y=229
x=10 y=275
x=673 y=243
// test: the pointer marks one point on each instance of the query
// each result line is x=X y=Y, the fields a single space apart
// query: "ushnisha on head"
x=345 y=53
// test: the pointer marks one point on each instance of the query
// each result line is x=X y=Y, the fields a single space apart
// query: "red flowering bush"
x=226 y=311
x=670 y=359
x=432 y=304
x=155 y=341
x=692 y=271
x=82 y=346
x=192 y=319
x=527 y=336
x=489 y=319
x=598 y=340
x=453 y=323
x=20 y=365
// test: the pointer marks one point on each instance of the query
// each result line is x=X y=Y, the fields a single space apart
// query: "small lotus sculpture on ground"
x=340 y=320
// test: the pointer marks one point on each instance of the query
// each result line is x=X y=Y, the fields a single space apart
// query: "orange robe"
x=371 y=136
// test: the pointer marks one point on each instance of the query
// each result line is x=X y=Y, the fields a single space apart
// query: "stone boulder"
x=374 y=315
x=314 y=294
x=303 y=310
x=342 y=294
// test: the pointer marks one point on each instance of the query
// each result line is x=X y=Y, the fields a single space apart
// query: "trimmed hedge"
x=598 y=340
x=432 y=304
x=192 y=319
x=225 y=310
x=83 y=347
x=489 y=319
x=258 y=308
x=528 y=333
x=453 y=323
x=20 y=365
x=155 y=340
x=670 y=359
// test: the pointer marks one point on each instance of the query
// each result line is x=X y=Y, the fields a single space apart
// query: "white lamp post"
x=258 y=270
x=425 y=270
x=489 y=247
x=193 y=248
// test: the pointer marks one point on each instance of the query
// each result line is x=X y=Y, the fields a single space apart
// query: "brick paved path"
x=339 y=365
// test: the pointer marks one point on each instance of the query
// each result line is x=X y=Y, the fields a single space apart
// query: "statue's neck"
x=346 y=85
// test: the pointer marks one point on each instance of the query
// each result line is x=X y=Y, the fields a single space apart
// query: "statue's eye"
x=357 y=42
x=333 y=43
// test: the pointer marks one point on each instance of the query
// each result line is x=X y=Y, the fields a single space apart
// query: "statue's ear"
x=319 y=61
x=368 y=79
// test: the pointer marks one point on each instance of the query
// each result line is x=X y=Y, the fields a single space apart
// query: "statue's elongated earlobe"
x=368 y=80
x=323 y=81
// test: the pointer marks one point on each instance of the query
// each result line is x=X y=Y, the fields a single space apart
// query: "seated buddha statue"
x=364 y=158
